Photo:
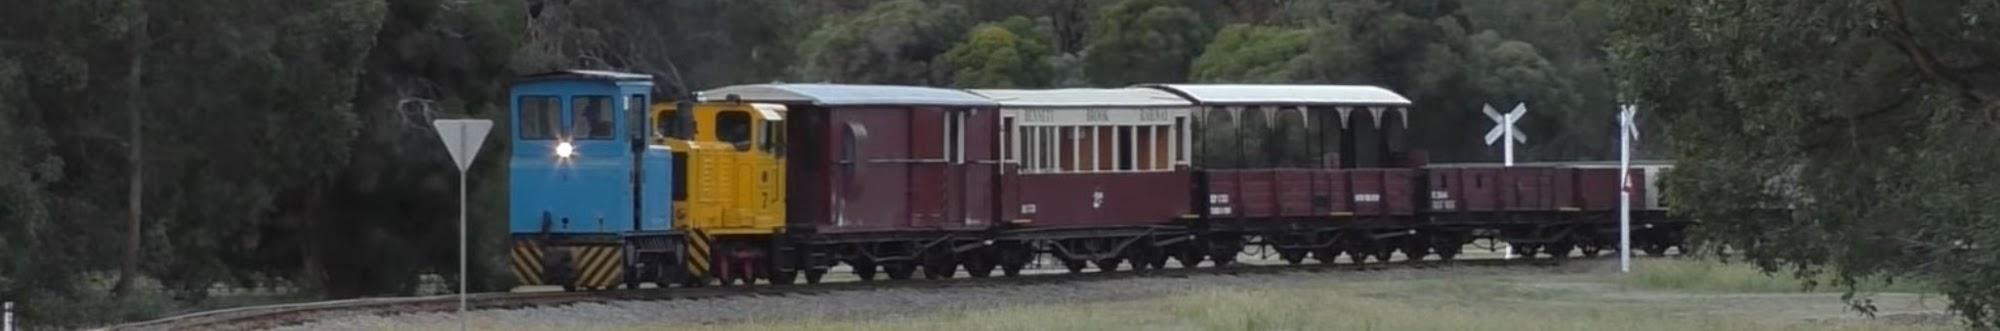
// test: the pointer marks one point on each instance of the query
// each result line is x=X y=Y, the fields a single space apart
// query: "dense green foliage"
x=289 y=143
x=1873 y=119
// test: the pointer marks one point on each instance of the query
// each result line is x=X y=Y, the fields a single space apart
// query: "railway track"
x=263 y=317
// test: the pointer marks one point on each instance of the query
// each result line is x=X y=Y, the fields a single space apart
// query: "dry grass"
x=1710 y=276
x=1673 y=296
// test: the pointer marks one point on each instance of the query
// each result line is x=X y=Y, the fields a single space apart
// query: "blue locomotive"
x=590 y=205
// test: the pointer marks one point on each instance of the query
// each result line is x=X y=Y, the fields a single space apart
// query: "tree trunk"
x=133 y=96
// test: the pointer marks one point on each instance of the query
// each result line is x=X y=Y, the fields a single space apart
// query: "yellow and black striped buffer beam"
x=599 y=266
x=527 y=262
x=697 y=256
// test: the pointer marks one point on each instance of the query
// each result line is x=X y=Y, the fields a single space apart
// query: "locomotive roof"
x=1084 y=97
x=848 y=95
x=589 y=74
x=1260 y=94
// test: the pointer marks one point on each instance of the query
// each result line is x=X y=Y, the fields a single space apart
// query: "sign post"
x=1505 y=132
x=462 y=138
x=1628 y=132
x=8 y=325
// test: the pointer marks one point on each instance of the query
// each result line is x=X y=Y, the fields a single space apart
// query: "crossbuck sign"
x=1628 y=133
x=1505 y=132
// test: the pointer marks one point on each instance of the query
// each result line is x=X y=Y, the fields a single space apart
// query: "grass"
x=1680 y=295
x=1711 y=276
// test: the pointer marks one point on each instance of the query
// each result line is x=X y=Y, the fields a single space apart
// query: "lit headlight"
x=564 y=150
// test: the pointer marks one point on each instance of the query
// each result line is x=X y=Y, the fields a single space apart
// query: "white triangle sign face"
x=462 y=137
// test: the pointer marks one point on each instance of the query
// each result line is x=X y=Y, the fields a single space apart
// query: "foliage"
x=1004 y=55
x=894 y=42
x=1833 y=138
x=1253 y=54
x=1144 y=41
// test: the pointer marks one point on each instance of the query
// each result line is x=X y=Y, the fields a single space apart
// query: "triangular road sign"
x=462 y=137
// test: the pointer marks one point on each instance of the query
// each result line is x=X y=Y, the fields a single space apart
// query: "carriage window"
x=954 y=135
x=1009 y=149
x=541 y=117
x=591 y=117
x=733 y=127
x=1180 y=135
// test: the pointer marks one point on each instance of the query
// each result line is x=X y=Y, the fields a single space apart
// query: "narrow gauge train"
x=770 y=181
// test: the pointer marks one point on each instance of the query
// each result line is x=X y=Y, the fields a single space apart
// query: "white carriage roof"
x=1255 y=94
x=848 y=95
x=1563 y=164
x=1085 y=97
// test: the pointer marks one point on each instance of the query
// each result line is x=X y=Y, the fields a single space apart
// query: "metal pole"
x=462 y=233
x=1625 y=194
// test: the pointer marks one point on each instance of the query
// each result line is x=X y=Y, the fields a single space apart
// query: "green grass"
x=1561 y=302
x=1712 y=276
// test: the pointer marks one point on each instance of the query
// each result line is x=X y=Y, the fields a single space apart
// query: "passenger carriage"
x=1307 y=170
x=1093 y=176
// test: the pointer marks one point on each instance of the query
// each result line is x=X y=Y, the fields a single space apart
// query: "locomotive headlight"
x=564 y=150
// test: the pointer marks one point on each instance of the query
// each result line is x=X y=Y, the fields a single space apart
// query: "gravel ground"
x=876 y=304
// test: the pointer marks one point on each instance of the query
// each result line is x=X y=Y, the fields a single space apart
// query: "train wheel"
x=979 y=265
x=1187 y=254
x=1075 y=265
x=1590 y=249
x=784 y=277
x=1655 y=249
x=1416 y=248
x=1157 y=256
x=1327 y=254
x=1292 y=256
x=1384 y=252
x=1011 y=269
x=1528 y=251
x=1560 y=250
x=863 y=269
x=1109 y=264
x=900 y=270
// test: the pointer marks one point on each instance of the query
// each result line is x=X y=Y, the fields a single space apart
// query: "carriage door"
x=932 y=194
x=977 y=164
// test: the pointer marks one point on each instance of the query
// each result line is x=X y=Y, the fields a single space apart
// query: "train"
x=763 y=183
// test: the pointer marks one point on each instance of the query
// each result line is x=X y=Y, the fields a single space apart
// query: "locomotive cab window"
x=540 y=117
x=774 y=137
x=592 y=117
x=733 y=127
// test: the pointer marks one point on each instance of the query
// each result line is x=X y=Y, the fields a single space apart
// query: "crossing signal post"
x=462 y=138
x=1628 y=132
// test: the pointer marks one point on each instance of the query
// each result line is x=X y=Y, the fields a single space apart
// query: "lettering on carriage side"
x=1220 y=199
x=1154 y=115
x=1367 y=197
x=1038 y=116
x=1097 y=115
x=1096 y=199
x=1027 y=208
x=1440 y=195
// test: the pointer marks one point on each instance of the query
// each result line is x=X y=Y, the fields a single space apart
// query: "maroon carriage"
x=891 y=176
x=1093 y=175
x=1543 y=207
x=1305 y=169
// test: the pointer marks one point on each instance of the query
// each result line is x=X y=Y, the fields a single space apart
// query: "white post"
x=1625 y=135
x=8 y=324
x=1507 y=142
x=462 y=234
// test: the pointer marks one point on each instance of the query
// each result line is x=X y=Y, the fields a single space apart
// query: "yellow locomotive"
x=729 y=188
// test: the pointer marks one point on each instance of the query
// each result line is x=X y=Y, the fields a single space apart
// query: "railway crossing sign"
x=1504 y=130
x=1628 y=132
x=462 y=138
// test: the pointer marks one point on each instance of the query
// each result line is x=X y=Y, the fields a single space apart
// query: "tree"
x=1837 y=138
x=894 y=42
x=1003 y=55
x=1144 y=41
x=1253 y=54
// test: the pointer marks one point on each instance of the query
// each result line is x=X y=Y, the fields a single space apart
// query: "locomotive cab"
x=588 y=200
